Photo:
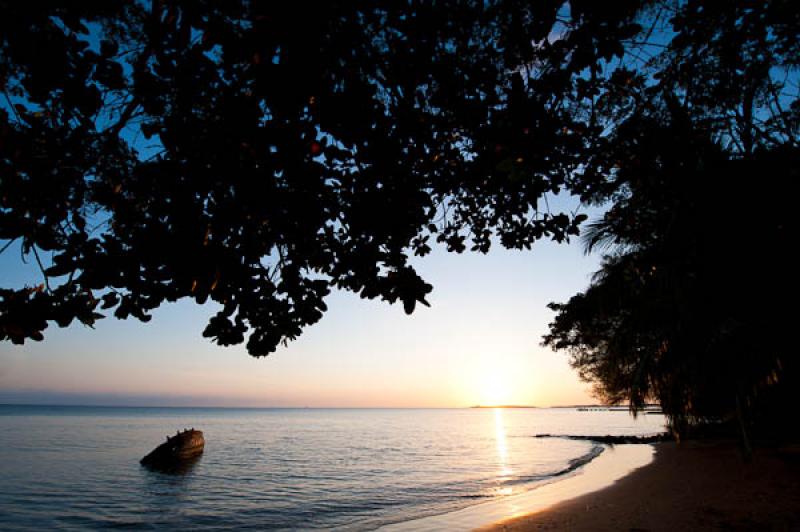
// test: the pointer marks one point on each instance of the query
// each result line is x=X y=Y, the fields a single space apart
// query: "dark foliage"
x=257 y=154
x=691 y=307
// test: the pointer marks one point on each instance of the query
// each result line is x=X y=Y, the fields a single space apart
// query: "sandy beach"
x=692 y=486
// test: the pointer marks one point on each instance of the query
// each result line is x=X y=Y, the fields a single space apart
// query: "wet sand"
x=694 y=486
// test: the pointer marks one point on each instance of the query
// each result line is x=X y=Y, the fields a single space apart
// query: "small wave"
x=572 y=465
x=575 y=463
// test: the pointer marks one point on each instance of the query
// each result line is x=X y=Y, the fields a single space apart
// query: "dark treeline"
x=257 y=156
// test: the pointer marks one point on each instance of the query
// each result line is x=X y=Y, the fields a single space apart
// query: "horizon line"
x=252 y=407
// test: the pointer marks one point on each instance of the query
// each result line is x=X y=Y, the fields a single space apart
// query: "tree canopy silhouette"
x=259 y=155
x=690 y=306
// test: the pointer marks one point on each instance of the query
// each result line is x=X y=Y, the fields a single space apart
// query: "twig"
x=8 y=244
x=41 y=267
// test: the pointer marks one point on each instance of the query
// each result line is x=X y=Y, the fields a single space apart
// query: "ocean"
x=77 y=468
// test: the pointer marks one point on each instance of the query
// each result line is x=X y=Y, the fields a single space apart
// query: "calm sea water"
x=78 y=467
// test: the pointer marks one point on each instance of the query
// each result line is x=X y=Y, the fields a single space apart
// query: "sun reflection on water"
x=505 y=471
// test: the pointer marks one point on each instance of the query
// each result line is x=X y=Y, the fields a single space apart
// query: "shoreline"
x=698 y=485
x=614 y=463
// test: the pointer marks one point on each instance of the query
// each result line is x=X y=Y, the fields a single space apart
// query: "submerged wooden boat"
x=183 y=446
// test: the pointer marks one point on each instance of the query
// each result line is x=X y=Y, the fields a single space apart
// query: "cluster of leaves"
x=259 y=155
x=701 y=150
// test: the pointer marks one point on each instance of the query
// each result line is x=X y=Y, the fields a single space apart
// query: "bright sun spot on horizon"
x=495 y=390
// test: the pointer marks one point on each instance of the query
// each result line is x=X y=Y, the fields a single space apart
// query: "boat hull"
x=183 y=446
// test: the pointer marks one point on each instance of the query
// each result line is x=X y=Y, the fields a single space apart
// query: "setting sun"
x=495 y=390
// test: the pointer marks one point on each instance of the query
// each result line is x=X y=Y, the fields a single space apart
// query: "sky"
x=478 y=343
